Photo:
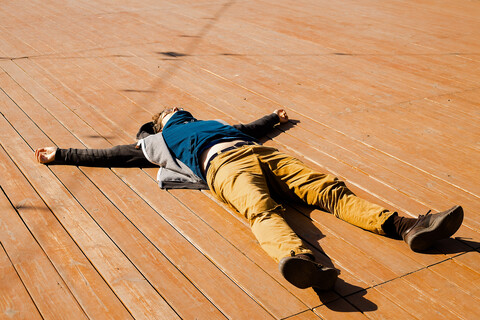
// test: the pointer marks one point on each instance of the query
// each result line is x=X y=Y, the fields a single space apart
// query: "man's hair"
x=157 y=125
x=157 y=119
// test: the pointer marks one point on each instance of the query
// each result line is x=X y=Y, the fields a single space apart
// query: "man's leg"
x=236 y=177
x=291 y=176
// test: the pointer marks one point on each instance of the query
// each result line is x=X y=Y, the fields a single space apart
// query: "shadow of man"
x=354 y=303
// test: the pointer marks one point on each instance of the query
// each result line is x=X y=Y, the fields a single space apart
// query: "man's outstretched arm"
x=119 y=156
x=259 y=128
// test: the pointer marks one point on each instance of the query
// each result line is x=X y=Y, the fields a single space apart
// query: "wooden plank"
x=45 y=286
x=14 y=298
x=63 y=29
x=342 y=308
x=101 y=98
x=29 y=35
x=283 y=46
x=388 y=21
x=418 y=304
x=444 y=292
x=307 y=315
x=62 y=101
x=469 y=260
x=375 y=306
x=464 y=277
x=12 y=47
x=460 y=102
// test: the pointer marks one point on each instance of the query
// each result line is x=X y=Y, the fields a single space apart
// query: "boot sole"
x=443 y=228
x=304 y=274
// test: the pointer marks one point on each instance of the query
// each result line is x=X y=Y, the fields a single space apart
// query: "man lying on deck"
x=244 y=174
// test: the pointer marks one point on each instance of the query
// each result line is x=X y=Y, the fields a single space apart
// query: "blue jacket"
x=187 y=137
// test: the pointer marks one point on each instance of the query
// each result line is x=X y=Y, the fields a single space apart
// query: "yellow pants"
x=244 y=177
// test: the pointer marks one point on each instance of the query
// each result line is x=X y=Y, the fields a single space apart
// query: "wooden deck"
x=384 y=94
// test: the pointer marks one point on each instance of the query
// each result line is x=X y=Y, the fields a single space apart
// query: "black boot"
x=303 y=272
x=432 y=227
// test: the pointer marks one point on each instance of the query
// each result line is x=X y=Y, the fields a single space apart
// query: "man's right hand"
x=45 y=155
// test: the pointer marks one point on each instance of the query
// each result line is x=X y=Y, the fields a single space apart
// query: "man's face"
x=167 y=114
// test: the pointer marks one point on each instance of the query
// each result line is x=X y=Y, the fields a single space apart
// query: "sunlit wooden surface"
x=384 y=94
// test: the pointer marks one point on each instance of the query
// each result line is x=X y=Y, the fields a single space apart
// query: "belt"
x=235 y=146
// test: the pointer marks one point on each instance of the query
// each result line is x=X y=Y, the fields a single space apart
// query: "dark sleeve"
x=145 y=130
x=259 y=128
x=122 y=156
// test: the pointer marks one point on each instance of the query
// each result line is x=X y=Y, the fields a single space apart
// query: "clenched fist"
x=45 y=155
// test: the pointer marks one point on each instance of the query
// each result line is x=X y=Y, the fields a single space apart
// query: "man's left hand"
x=282 y=115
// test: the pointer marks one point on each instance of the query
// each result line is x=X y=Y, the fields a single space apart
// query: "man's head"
x=160 y=119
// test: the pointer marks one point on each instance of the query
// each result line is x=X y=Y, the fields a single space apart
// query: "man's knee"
x=264 y=215
x=330 y=197
x=339 y=189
